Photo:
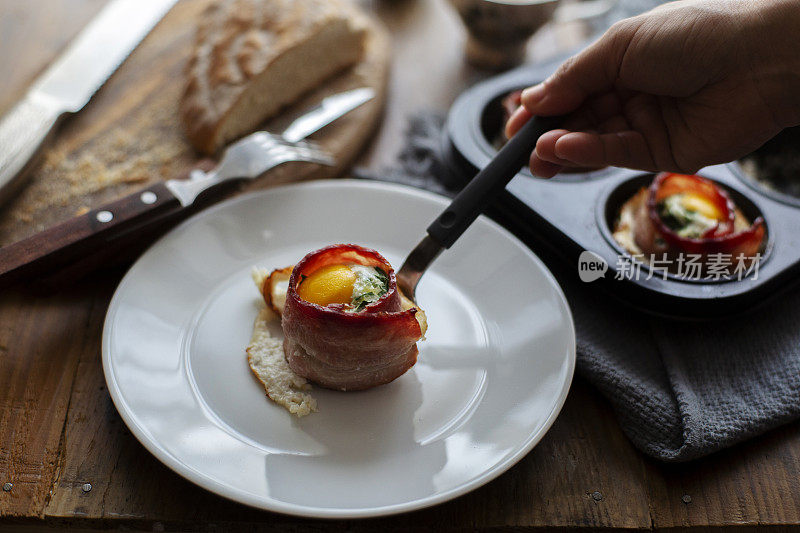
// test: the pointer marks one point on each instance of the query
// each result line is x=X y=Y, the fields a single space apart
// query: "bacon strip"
x=653 y=236
x=345 y=350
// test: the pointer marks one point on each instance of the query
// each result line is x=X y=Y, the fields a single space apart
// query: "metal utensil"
x=68 y=84
x=87 y=241
x=240 y=155
x=247 y=158
x=331 y=108
x=468 y=204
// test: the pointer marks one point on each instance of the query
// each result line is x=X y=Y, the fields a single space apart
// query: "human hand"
x=688 y=84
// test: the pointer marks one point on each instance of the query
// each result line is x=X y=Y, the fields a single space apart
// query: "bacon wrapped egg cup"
x=346 y=325
x=689 y=215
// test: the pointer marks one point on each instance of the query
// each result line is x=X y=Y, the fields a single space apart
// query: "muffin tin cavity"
x=610 y=205
x=493 y=120
x=774 y=168
x=746 y=170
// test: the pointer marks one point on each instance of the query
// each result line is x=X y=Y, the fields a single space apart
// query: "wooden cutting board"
x=130 y=136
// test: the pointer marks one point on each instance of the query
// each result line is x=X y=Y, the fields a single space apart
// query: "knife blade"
x=70 y=81
x=326 y=112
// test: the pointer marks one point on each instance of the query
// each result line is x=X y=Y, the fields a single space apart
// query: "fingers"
x=592 y=71
x=545 y=148
x=542 y=168
x=595 y=140
x=516 y=121
x=543 y=161
x=559 y=149
x=619 y=149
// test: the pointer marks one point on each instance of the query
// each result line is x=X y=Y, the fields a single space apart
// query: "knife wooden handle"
x=81 y=236
x=23 y=132
x=103 y=236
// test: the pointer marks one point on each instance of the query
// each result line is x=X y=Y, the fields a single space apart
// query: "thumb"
x=594 y=70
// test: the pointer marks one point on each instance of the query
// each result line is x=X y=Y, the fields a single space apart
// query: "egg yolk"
x=332 y=284
x=698 y=204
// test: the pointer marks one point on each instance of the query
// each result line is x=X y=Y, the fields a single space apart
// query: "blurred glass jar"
x=498 y=30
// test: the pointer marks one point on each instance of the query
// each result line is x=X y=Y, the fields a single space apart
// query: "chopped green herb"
x=371 y=283
x=685 y=222
x=382 y=275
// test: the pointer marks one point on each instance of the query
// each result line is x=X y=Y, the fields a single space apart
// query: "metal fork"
x=248 y=158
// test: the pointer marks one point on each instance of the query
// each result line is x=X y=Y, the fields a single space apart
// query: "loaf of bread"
x=254 y=57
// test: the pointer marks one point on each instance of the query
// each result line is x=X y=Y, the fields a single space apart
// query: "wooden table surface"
x=61 y=435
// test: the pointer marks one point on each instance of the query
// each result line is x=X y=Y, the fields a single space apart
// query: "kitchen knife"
x=326 y=112
x=116 y=230
x=68 y=84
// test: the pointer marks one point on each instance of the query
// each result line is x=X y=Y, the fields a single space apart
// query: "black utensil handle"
x=477 y=194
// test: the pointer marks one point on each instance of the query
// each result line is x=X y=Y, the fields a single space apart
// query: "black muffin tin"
x=576 y=211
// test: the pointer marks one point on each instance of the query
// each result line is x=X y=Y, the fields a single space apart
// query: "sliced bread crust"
x=253 y=57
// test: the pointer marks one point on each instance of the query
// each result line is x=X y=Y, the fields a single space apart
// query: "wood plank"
x=754 y=483
x=41 y=341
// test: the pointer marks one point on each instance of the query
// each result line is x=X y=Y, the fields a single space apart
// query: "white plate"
x=491 y=376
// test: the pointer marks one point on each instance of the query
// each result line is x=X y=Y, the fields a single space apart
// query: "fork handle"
x=477 y=194
x=93 y=235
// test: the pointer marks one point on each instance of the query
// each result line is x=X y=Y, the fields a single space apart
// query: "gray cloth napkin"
x=681 y=390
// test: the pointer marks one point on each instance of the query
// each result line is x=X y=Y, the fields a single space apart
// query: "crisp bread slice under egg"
x=266 y=357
